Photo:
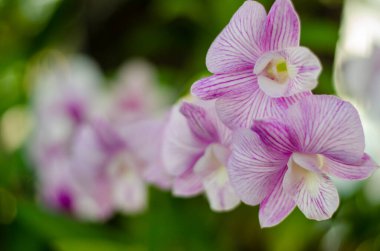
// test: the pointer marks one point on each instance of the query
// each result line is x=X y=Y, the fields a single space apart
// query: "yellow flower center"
x=277 y=70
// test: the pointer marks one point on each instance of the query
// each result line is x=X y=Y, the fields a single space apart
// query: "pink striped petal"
x=221 y=84
x=253 y=167
x=187 y=184
x=240 y=109
x=276 y=206
x=219 y=192
x=276 y=135
x=314 y=193
x=214 y=157
x=282 y=27
x=198 y=122
x=180 y=149
x=361 y=170
x=306 y=68
x=329 y=126
x=238 y=45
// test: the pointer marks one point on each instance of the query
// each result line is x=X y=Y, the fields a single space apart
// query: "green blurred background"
x=175 y=36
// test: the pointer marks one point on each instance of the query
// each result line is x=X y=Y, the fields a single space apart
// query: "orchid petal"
x=238 y=45
x=311 y=162
x=305 y=67
x=276 y=206
x=361 y=170
x=157 y=175
x=188 y=184
x=220 y=193
x=329 y=126
x=198 y=122
x=314 y=193
x=271 y=87
x=282 y=27
x=214 y=157
x=275 y=135
x=253 y=167
x=180 y=149
x=221 y=84
x=240 y=109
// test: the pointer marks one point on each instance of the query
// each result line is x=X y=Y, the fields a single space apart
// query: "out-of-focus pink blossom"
x=95 y=151
x=196 y=147
x=135 y=95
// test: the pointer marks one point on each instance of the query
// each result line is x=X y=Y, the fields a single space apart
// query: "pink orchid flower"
x=145 y=139
x=89 y=150
x=259 y=68
x=195 y=151
x=286 y=162
x=136 y=110
x=101 y=157
x=64 y=99
x=62 y=190
x=136 y=94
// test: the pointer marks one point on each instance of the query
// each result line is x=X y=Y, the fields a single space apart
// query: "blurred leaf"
x=55 y=226
x=320 y=35
x=93 y=245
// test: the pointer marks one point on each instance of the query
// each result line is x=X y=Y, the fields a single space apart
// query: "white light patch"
x=360 y=28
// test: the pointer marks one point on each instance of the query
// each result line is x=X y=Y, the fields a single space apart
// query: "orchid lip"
x=277 y=70
x=307 y=162
x=274 y=72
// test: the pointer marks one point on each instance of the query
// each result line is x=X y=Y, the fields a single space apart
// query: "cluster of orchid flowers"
x=252 y=132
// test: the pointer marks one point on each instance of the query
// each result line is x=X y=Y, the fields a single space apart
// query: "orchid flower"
x=101 y=158
x=259 y=68
x=196 y=148
x=286 y=162
x=136 y=94
x=145 y=139
x=136 y=109
x=64 y=97
x=60 y=189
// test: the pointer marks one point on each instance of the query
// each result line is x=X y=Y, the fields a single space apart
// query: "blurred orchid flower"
x=145 y=139
x=62 y=189
x=101 y=158
x=195 y=151
x=285 y=162
x=65 y=97
x=136 y=93
x=137 y=109
x=91 y=156
x=259 y=68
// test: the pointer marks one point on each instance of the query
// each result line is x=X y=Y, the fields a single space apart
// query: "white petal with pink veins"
x=314 y=193
x=220 y=193
x=254 y=168
x=238 y=45
x=276 y=206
